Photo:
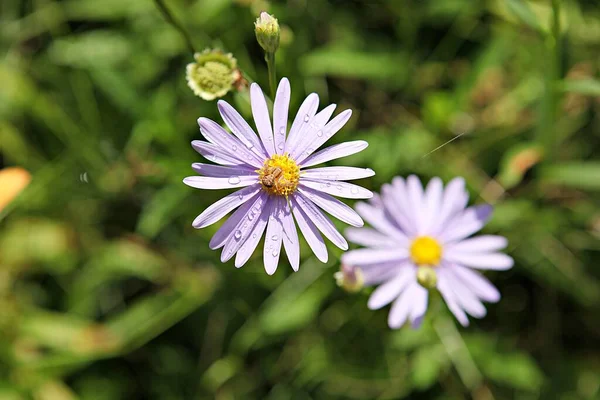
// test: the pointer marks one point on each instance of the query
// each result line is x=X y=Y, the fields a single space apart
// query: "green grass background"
x=107 y=292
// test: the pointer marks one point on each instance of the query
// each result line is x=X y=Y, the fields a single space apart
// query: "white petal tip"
x=270 y=271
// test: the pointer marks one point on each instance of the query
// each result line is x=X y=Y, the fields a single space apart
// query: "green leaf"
x=427 y=365
x=524 y=13
x=588 y=87
x=579 y=175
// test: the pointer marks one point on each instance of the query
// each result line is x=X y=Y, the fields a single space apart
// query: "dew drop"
x=280 y=147
x=339 y=187
x=328 y=184
x=234 y=180
x=306 y=118
x=234 y=147
x=275 y=253
x=319 y=133
x=354 y=190
x=274 y=237
x=282 y=130
x=237 y=234
x=250 y=216
x=254 y=236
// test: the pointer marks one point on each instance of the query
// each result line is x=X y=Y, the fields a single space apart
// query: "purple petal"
x=375 y=274
x=454 y=200
x=242 y=231
x=398 y=209
x=262 y=119
x=451 y=301
x=338 y=173
x=310 y=232
x=494 y=261
x=328 y=131
x=321 y=221
x=217 y=171
x=479 y=244
x=369 y=238
x=415 y=199
x=477 y=283
x=280 y=114
x=241 y=129
x=419 y=306
x=470 y=221
x=273 y=238
x=401 y=308
x=248 y=247
x=339 y=189
x=312 y=134
x=377 y=219
x=226 y=230
x=290 y=237
x=465 y=298
x=373 y=256
x=303 y=118
x=205 y=182
x=236 y=149
x=222 y=207
x=333 y=206
x=334 y=152
x=433 y=204
x=386 y=293
x=215 y=154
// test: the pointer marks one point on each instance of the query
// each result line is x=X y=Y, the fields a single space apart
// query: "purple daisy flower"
x=420 y=240
x=271 y=168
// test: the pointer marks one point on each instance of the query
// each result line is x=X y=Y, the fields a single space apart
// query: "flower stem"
x=162 y=7
x=270 y=59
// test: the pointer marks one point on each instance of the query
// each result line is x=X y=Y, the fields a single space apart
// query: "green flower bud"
x=349 y=278
x=267 y=32
x=213 y=74
x=427 y=277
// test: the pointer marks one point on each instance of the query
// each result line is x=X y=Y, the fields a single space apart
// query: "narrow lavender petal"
x=245 y=252
x=338 y=173
x=241 y=232
x=303 y=118
x=433 y=203
x=400 y=195
x=273 y=238
x=334 y=152
x=493 y=261
x=370 y=238
x=321 y=222
x=465 y=298
x=339 y=189
x=376 y=202
x=333 y=206
x=479 y=244
x=401 y=308
x=375 y=274
x=280 y=114
x=232 y=145
x=415 y=198
x=217 y=171
x=241 y=129
x=466 y=223
x=291 y=242
x=327 y=132
x=205 y=182
x=262 y=119
x=477 y=283
x=386 y=293
x=310 y=232
x=312 y=134
x=419 y=306
x=454 y=200
x=451 y=301
x=377 y=219
x=226 y=230
x=222 y=207
x=394 y=207
x=371 y=256
x=215 y=153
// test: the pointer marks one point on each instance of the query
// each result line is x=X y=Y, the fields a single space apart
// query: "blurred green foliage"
x=106 y=291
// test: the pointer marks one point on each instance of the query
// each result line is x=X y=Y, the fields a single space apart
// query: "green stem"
x=162 y=7
x=270 y=58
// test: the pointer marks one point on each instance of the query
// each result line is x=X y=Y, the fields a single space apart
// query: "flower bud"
x=267 y=32
x=427 y=277
x=213 y=74
x=12 y=181
x=349 y=278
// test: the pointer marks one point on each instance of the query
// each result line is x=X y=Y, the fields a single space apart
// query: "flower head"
x=278 y=187
x=266 y=28
x=420 y=240
x=213 y=74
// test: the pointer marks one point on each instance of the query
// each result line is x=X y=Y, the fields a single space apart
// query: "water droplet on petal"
x=250 y=216
x=306 y=118
x=282 y=130
x=275 y=253
x=275 y=237
x=237 y=234
x=354 y=190
x=254 y=236
x=328 y=184
x=234 y=180
x=339 y=187
x=280 y=147
x=234 y=147
x=319 y=133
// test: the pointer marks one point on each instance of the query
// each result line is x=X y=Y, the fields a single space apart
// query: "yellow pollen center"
x=279 y=175
x=426 y=251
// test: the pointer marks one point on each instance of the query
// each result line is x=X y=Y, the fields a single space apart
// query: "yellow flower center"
x=279 y=175
x=425 y=251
